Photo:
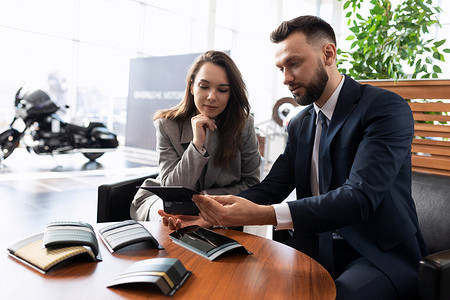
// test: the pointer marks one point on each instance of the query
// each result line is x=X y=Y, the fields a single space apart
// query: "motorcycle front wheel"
x=92 y=156
x=9 y=140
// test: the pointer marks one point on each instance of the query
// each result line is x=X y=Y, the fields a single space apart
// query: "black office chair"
x=114 y=199
x=431 y=194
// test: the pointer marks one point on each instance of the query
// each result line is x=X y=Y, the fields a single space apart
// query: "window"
x=79 y=51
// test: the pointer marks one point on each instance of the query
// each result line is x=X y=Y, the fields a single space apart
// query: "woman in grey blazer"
x=207 y=142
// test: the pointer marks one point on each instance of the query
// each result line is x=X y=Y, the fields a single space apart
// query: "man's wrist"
x=265 y=215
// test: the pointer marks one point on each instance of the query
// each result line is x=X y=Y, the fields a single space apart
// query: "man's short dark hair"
x=313 y=27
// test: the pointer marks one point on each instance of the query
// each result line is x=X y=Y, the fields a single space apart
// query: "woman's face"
x=211 y=90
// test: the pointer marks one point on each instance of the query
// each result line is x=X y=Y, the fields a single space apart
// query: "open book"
x=205 y=242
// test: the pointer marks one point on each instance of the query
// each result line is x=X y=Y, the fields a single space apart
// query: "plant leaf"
x=439 y=43
x=437 y=69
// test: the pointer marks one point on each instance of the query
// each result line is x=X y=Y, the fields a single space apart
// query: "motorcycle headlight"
x=21 y=113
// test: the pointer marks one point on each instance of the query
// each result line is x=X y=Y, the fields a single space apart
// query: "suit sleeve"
x=378 y=155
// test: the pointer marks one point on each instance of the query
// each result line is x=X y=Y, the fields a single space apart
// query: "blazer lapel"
x=186 y=134
x=346 y=103
x=212 y=171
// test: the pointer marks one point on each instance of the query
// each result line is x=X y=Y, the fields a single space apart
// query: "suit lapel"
x=346 y=103
x=186 y=133
x=212 y=170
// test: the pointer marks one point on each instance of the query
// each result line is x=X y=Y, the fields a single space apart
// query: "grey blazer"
x=181 y=164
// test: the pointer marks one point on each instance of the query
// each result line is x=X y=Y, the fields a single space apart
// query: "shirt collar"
x=330 y=105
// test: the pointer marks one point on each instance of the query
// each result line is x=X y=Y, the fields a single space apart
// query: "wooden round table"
x=273 y=271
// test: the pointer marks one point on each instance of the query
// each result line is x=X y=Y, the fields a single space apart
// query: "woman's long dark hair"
x=231 y=122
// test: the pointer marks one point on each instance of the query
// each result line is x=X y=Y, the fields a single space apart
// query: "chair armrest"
x=434 y=276
x=114 y=199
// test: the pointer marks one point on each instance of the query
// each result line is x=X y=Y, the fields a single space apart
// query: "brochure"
x=168 y=274
x=30 y=252
x=119 y=235
x=205 y=242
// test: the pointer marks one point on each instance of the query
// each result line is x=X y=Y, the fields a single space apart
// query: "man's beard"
x=315 y=89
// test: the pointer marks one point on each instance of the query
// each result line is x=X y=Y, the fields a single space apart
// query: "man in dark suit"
x=354 y=212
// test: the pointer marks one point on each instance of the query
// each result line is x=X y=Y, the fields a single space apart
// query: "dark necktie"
x=323 y=121
x=325 y=238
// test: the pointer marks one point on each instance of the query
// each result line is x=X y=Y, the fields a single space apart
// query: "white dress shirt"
x=282 y=212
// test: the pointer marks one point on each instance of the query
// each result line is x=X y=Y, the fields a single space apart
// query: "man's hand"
x=233 y=211
x=175 y=222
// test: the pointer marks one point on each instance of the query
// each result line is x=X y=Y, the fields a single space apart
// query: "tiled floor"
x=35 y=190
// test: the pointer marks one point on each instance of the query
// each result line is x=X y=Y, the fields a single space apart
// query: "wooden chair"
x=431 y=144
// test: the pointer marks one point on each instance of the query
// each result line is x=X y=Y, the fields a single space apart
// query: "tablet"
x=177 y=200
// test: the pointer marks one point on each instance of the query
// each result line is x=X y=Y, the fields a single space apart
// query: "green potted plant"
x=387 y=39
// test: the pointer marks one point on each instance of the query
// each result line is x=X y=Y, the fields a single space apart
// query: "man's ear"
x=329 y=51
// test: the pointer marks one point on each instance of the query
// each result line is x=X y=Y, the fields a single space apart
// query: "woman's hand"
x=199 y=124
x=175 y=222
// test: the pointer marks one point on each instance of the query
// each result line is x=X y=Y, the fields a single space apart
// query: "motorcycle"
x=43 y=131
